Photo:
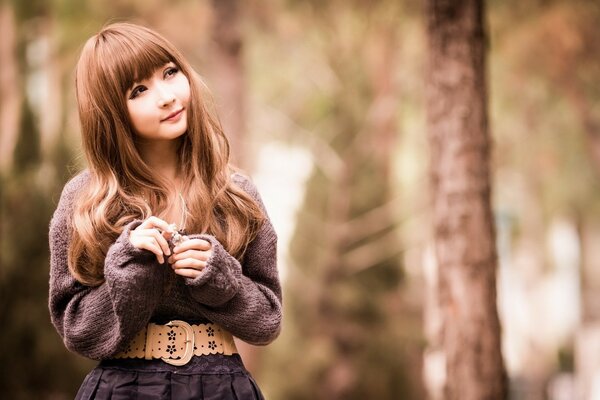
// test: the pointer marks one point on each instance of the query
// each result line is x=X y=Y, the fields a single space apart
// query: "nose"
x=165 y=95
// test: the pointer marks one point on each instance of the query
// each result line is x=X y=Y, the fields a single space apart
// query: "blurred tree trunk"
x=50 y=107
x=10 y=90
x=463 y=222
x=228 y=76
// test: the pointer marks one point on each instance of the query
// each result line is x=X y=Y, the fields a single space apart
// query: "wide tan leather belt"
x=177 y=342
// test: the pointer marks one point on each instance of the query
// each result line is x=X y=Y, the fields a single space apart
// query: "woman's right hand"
x=149 y=235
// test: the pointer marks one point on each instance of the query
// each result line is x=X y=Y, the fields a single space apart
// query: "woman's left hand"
x=190 y=256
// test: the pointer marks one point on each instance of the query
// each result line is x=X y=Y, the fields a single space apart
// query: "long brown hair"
x=110 y=62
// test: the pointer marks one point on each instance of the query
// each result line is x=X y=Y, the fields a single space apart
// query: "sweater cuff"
x=133 y=274
x=219 y=282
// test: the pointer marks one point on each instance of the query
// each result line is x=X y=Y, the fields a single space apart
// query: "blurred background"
x=324 y=105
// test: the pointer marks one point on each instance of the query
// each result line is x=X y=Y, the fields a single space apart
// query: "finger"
x=189 y=263
x=154 y=222
x=168 y=234
x=162 y=242
x=158 y=251
x=195 y=244
x=158 y=236
x=197 y=254
x=188 y=273
x=151 y=245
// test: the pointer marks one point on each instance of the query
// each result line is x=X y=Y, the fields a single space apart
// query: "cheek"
x=132 y=110
x=138 y=115
x=186 y=97
x=184 y=90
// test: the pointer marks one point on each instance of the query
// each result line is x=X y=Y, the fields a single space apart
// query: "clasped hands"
x=187 y=259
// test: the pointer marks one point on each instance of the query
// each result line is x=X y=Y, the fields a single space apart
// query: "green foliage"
x=31 y=348
x=36 y=363
x=26 y=10
x=548 y=93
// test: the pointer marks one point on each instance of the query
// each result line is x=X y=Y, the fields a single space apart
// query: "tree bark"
x=228 y=76
x=464 y=231
x=50 y=108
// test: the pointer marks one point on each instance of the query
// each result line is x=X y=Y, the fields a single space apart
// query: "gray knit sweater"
x=98 y=322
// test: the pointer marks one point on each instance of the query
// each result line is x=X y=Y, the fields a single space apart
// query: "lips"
x=174 y=116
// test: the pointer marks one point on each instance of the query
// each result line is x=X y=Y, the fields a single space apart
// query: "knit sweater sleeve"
x=97 y=322
x=244 y=298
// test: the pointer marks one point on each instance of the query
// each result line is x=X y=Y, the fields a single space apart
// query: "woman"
x=160 y=251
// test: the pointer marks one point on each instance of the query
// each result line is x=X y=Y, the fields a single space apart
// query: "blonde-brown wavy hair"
x=110 y=62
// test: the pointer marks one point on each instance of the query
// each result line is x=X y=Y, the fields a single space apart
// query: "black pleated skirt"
x=210 y=377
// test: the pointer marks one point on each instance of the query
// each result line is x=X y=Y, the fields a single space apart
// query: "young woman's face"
x=157 y=106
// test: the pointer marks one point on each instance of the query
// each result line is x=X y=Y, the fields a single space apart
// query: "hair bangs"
x=142 y=64
x=134 y=60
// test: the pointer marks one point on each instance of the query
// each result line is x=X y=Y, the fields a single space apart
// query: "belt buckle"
x=189 y=343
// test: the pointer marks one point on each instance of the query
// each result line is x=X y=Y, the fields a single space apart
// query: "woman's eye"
x=171 y=71
x=137 y=91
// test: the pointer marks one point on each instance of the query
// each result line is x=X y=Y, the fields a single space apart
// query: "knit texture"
x=98 y=322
